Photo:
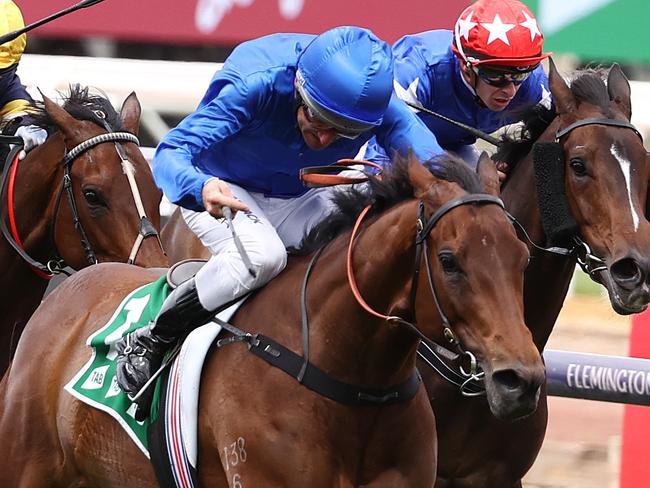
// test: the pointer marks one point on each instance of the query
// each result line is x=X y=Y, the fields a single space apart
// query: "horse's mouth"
x=626 y=302
x=511 y=410
x=628 y=306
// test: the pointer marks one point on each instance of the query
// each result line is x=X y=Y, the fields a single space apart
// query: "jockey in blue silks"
x=15 y=102
x=482 y=74
x=280 y=103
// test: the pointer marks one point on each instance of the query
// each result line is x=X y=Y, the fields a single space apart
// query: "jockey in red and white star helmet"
x=499 y=39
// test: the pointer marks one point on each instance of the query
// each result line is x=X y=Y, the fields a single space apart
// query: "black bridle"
x=322 y=383
x=590 y=263
x=431 y=352
x=57 y=264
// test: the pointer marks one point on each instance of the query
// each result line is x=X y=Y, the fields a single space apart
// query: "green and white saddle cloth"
x=96 y=383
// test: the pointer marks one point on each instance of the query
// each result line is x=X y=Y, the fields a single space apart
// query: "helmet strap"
x=477 y=99
x=297 y=102
x=472 y=84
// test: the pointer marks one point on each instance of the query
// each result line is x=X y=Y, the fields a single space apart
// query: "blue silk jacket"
x=427 y=72
x=245 y=131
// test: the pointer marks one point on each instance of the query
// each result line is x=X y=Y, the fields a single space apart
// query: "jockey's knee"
x=267 y=262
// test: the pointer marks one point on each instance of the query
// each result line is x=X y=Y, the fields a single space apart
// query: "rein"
x=320 y=176
x=7 y=186
x=308 y=375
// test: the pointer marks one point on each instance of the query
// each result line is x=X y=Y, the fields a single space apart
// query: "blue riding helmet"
x=345 y=76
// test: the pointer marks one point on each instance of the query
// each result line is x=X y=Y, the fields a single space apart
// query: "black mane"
x=588 y=85
x=393 y=188
x=82 y=105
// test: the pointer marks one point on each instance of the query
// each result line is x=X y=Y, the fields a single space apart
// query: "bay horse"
x=601 y=171
x=425 y=242
x=85 y=195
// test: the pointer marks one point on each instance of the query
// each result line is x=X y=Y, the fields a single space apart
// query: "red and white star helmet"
x=499 y=32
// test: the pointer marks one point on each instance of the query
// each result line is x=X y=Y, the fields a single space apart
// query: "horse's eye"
x=578 y=166
x=448 y=262
x=92 y=197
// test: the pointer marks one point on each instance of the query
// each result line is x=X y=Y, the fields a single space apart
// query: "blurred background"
x=167 y=50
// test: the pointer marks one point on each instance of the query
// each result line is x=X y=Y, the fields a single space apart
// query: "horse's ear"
x=420 y=177
x=130 y=113
x=565 y=102
x=487 y=173
x=424 y=182
x=59 y=116
x=619 y=89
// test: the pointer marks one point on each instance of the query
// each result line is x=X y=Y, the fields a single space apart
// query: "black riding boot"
x=141 y=352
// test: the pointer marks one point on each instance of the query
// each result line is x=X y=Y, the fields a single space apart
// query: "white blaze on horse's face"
x=625 y=169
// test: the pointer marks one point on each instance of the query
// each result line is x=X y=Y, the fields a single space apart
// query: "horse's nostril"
x=508 y=378
x=627 y=273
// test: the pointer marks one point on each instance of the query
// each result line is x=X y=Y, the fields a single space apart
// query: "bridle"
x=590 y=263
x=310 y=376
x=467 y=380
x=57 y=264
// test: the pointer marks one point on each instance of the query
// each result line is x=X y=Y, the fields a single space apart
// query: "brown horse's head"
x=113 y=190
x=606 y=172
x=477 y=267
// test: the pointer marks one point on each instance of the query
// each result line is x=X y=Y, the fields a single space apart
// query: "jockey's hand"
x=217 y=194
x=32 y=136
x=502 y=170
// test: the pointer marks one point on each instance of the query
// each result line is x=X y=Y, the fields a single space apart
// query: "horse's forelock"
x=82 y=105
x=589 y=86
x=455 y=170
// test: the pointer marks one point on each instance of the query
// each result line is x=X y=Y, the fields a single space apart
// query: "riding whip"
x=472 y=130
x=10 y=36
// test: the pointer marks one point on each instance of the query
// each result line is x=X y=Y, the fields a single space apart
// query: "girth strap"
x=315 y=379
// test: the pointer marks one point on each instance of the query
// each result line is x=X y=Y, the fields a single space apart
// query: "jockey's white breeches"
x=272 y=225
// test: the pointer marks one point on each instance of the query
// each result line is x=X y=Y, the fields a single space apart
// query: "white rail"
x=168 y=87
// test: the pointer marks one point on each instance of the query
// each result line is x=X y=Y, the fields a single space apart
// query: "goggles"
x=313 y=118
x=501 y=79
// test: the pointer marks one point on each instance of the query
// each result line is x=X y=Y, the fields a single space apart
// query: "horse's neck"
x=345 y=340
x=548 y=276
x=384 y=258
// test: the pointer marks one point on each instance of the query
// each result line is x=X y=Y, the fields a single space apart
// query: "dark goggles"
x=501 y=79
